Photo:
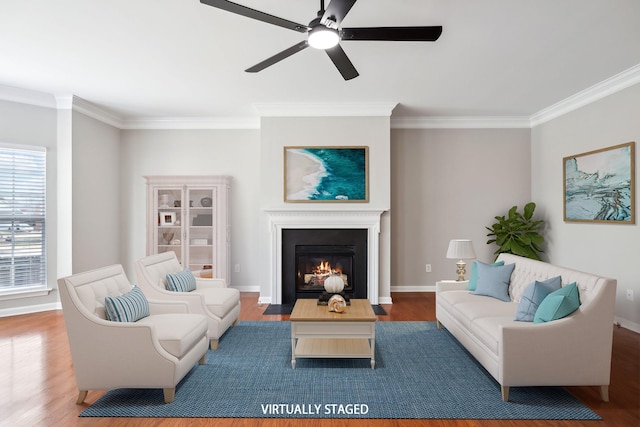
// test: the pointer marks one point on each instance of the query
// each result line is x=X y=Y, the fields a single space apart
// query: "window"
x=22 y=218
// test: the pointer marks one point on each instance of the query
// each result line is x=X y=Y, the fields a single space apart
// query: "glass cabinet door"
x=169 y=233
x=201 y=230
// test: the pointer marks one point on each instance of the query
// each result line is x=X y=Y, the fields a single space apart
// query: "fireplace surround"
x=284 y=219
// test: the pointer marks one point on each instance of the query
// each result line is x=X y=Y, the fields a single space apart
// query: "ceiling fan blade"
x=255 y=14
x=342 y=62
x=278 y=57
x=417 y=34
x=336 y=11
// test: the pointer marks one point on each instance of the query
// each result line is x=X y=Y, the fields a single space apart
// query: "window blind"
x=22 y=217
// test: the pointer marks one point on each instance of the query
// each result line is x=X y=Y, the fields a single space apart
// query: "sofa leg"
x=438 y=324
x=203 y=359
x=81 y=396
x=235 y=323
x=505 y=393
x=213 y=344
x=169 y=394
x=604 y=393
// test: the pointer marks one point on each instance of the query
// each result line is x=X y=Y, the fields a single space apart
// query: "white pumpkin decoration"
x=334 y=284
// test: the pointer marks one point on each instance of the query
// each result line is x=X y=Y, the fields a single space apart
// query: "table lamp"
x=461 y=249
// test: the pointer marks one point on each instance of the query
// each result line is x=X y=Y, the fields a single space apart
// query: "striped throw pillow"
x=129 y=307
x=183 y=281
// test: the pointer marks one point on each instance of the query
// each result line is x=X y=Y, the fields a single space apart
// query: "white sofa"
x=571 y=351
x=211 y=298
x=156 y=351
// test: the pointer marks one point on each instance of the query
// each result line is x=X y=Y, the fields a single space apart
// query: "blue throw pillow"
x=473 y=276
x=533 y=295
x=494 y=281
x=558 y=304
x=128 y=307
x=183 y=281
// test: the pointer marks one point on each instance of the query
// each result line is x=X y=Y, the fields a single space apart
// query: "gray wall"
x=609 y=250
x=449 y=184
x=96 y=194
x=193 y=152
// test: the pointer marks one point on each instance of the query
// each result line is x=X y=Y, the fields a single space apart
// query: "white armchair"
x=212 y=298
x=156 y=351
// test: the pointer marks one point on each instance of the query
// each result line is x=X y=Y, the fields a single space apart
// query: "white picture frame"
x=167 y=218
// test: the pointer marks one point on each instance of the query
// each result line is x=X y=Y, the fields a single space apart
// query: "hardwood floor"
x=37 y=385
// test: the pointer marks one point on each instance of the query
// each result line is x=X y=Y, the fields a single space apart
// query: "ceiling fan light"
x=321 y=37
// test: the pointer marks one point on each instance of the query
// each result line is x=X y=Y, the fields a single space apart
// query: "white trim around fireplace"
x=280 y=219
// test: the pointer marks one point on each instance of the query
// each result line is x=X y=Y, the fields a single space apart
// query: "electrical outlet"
x=428 y=268
x=630 y=294
x=236 y=268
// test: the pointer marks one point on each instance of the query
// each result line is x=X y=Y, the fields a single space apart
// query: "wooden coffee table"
x=317 y=332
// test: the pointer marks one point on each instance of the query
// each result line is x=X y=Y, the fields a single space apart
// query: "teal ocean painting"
x=599 y=185
x=322 y=174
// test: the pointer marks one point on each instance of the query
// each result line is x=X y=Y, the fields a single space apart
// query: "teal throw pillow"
x=183 y=281
x=558 y=304
x=128 y=307
x=473 y=276
x=533 y=295
x=494 y=281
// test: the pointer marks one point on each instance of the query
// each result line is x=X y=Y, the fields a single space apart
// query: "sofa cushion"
x=183 y=281
x=558 y=304
x=178 y=332
x=493 y=281
x=220 y=301
x=128 y=307
x=533 y=296
x=473 y=276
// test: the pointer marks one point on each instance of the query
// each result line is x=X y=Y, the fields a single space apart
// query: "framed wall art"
x=599 y=186
x=326 y=174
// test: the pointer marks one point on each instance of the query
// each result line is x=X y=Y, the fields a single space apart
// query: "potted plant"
x=518 y=233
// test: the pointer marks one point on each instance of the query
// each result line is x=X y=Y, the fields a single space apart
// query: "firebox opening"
x=314 y=264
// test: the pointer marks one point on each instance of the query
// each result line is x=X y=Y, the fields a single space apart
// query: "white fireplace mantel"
x=280 y=219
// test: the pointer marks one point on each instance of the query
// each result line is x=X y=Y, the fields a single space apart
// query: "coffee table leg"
x=373 y=353
x=293 y=353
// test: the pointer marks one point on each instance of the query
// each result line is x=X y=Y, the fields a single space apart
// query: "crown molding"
x=337 y=109
x=452 y=122
x=92 y=110
x=27 y=96
x=193 y=123
x=592 y=94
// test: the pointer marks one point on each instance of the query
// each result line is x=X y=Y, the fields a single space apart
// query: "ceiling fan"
x=324 y=32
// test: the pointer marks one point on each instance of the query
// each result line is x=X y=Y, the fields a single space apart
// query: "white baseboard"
x=627 y=324
x=247 y=288
x=27 y=309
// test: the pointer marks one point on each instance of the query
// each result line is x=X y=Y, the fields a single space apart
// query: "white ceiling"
x=145 y=59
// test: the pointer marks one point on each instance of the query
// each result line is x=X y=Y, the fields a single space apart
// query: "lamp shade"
x=461 y=249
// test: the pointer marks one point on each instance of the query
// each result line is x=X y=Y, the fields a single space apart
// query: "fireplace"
x=309 y=256
x=281 y=220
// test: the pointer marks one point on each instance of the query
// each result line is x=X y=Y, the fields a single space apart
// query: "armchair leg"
x=604 y=393
x=81 y=396
x=213 y=344
x=438 y=324
x=203 y=359
x=169 y=394
x=505 y=393
x=235 y=323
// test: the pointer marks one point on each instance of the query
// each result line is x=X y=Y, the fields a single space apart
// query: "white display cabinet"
x=189 y=215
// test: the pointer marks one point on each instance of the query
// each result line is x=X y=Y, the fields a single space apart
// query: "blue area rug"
x=421 y=372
